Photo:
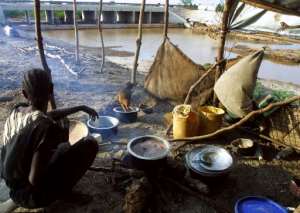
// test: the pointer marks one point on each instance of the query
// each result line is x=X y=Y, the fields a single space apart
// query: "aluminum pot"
x=148 y=152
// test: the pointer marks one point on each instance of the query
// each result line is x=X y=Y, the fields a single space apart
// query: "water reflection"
x=200 y=48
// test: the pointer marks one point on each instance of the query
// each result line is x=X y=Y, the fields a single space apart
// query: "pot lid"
x=209 y=159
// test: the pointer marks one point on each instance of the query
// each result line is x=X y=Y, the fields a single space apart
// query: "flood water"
x=200 y=48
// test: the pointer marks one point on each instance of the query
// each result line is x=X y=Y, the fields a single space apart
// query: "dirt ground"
x=249 y=177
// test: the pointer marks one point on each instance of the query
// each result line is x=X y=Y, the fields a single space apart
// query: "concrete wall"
x=2 y=17
x=112 y=13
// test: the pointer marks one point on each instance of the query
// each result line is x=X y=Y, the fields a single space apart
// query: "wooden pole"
x=38 y=32
x=166 y=19
x=138 y=43
x=192 y=88
x=39 y=39
x=101 y=35
x=76 y=32
x=222 y=40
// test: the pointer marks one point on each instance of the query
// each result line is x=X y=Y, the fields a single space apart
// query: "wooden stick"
x=193 y=140
x=39 y=39
x=222 y=40
x=166 y=19
x=138 y=43
x=285 y=26
x=76 y=32
x=101 y=36
x=192 y=88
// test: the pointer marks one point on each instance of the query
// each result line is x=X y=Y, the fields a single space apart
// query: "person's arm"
x=62 y=113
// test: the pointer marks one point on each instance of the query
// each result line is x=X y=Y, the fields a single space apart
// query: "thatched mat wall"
x=285 y=126
x=172 y=74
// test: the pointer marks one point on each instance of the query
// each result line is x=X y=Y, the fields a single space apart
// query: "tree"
x=187 y=2
x=220 y=8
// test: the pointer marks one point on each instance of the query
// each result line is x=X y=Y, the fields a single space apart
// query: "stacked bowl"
x=209 y=161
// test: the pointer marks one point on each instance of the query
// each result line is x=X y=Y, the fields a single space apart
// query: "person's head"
x=37 y=88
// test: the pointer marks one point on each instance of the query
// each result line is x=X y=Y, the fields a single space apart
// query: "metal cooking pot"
x=154 y=159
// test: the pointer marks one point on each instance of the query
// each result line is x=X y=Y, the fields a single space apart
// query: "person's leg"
x=67 y=166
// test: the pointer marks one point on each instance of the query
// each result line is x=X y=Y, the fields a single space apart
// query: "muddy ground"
x=98 y=90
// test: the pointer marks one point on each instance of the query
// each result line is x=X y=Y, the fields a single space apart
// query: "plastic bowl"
x=244 y=146
x=104 y=125
x=126 y=116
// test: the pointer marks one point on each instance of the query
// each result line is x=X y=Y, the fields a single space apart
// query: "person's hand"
x=90 y=111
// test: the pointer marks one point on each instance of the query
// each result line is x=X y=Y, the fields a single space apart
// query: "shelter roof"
x=289 y=7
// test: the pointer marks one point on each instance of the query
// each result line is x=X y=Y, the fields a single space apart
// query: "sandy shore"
x=98 y=90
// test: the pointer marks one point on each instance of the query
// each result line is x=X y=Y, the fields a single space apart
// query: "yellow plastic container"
x=210 y=119
x=185 y=122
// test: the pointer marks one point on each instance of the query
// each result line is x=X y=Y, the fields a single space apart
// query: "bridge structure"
x=113 y=13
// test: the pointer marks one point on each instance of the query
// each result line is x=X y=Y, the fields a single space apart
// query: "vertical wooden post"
x=101 y=35
x=138 y=43
x=38 y=33
x=166 y=19
x=222 y=40
x=39 y=39
x=76 y=32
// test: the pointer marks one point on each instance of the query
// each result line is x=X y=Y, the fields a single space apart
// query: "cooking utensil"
x=126 y=116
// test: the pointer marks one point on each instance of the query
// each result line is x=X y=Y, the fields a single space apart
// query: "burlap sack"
x=235 y=87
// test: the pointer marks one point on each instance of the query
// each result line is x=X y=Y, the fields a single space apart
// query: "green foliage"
x=206 y=66
x=78 y=14
x=14 y=13
x=220 y=8
x=59 y=14
x=191 y=7
x=187 y=2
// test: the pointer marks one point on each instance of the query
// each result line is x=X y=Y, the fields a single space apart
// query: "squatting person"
x=38 y=163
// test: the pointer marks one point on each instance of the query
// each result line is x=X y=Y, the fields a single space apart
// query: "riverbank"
x=252 y=36
x=46 y=27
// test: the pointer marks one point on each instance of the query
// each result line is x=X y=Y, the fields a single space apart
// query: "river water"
x=200 y=48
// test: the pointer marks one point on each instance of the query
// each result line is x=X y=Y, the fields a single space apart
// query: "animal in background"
x=124 y=96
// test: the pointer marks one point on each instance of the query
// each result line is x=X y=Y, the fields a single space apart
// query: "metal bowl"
x=148 y=152
x=126 y=116
x=209 y=161
x=104 y=125
x=244 y=146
